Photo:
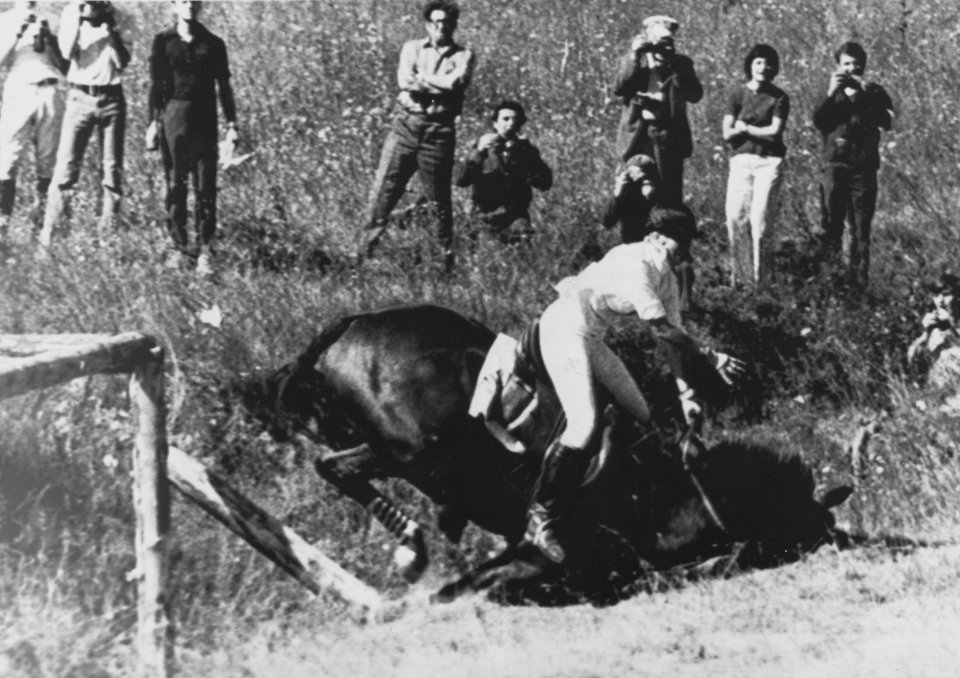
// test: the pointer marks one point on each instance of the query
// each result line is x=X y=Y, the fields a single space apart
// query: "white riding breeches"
x=576 y=359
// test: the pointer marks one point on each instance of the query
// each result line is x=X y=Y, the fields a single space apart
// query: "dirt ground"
x=862 y=613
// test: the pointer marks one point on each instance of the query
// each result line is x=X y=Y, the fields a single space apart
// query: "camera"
x=661 y=47
x=40 y=39
x=942 y=324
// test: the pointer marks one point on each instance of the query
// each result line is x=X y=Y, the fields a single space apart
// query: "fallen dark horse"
x=389 y=391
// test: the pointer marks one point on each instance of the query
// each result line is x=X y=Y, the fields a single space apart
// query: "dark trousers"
x=658 y=144
x=848 y=194
x=189 y=152
x=414 y=144
x=510 y=227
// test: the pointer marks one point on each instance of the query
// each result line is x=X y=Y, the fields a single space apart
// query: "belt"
x=47 y=81
x=97 y=90
x=445 y=117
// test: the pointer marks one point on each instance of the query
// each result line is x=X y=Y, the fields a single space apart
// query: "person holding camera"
x=937 y=348
x=850 y=119
x=32 y=102
x=502 y=168
x=655 y=85
x=635 y=191
x=188 y=70
x=95 y=102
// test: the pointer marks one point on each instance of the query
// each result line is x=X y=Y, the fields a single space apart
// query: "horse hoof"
x=411 y=556
x=442 y=596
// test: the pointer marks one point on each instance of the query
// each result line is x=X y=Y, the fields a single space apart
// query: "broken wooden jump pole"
x=288 y=550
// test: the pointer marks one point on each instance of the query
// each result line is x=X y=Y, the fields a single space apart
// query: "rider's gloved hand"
x=691 y=407
x=731 y=369
x=692 y=410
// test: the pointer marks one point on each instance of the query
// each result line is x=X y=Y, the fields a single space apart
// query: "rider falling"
x=632 y=278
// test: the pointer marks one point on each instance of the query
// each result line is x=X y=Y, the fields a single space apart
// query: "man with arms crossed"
x=433 y=76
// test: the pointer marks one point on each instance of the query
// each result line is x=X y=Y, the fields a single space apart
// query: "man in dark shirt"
x=850 y=119
x=655 y=85
x=188 y=68
x=502 y=167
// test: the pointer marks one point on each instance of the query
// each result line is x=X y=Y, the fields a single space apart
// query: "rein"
x=691 y=439
x=707 y=503
x=688 y=466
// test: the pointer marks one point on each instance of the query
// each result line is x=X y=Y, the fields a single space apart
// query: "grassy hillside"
x=315 y=85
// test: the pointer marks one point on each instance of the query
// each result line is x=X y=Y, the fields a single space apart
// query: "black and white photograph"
x=479 y=339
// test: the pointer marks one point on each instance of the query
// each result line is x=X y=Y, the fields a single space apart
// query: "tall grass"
x=315 y=84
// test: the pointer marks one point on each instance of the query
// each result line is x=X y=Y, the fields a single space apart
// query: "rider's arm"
x=679 y=348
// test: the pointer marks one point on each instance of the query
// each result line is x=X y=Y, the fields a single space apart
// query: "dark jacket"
x=502 y=178
x=851 y=128
x=680 y=85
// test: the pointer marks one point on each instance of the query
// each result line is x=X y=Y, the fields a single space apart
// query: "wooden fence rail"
x=29 y=362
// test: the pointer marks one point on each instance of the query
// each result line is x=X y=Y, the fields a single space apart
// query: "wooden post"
x=857 y=449
x=152 y=499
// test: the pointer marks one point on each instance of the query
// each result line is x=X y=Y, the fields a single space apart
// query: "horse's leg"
x=518 y=561
x=451 y=521
x=350 y=471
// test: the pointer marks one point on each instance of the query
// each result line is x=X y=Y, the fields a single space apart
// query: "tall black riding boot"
x=8 y=191
x=560 y=476
x=40 y=206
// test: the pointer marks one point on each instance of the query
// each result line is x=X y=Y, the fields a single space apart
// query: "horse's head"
x=286 y=402
x=827 y=501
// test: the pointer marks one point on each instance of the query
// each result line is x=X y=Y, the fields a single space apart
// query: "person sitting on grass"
x=938 y=346
x=501 y=168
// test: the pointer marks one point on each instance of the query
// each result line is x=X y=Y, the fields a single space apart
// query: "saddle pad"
x=499 y=364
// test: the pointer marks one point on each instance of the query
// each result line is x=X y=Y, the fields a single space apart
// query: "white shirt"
x=632 y=278
x=27 y=67
x=94 y=61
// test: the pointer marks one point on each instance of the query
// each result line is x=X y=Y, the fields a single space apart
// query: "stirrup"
x=540 y=532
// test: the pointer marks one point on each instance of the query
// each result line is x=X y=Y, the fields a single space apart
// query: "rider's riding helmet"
x=677 y=223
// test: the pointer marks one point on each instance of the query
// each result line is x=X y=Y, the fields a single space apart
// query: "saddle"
x=515 y=399
x=513 y=395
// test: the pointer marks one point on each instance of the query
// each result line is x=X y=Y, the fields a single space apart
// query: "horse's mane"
x=758 y=490
x=739 y=462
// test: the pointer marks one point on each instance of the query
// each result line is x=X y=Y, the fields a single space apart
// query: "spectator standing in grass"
x=655 y=85
x=433 y=76
x=95 y=103
x=753 y=126
x=188 y=70
x=502 y=168
x=32 y=103
x=850 y=119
